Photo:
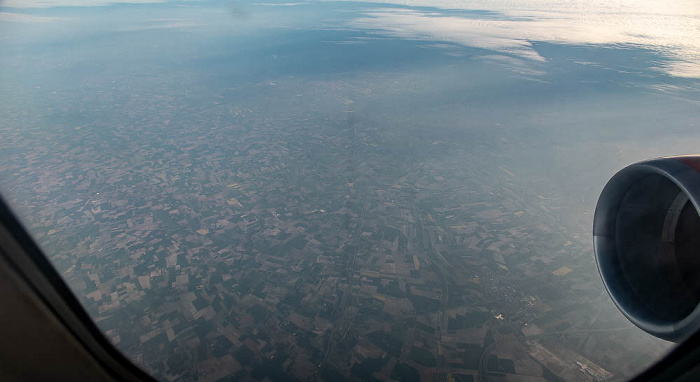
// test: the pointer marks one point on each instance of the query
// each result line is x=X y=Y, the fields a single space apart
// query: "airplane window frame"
x=27 y=261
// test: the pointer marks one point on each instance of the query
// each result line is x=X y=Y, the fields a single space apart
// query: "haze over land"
x=341 y=190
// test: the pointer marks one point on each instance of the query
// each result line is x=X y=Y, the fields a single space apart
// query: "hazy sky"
x=670 y=28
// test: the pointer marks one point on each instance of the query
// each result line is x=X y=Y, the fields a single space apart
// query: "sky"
x=502 y=26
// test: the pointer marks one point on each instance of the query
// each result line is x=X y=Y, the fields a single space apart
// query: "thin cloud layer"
x=22 y=18
x=416 y=25
x=180 y=24
x=509 y=27
x=23 y=4
x=672 y=29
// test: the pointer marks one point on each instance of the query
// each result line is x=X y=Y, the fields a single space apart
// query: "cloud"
x=410 y=24
x=69 y=3
x=513 y=64
x=22 y=18
x=162 y=24
x=670 y=28
x=682 y=69
x=282 y=4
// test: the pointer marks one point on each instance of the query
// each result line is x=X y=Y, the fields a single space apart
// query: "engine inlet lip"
x=687 y=179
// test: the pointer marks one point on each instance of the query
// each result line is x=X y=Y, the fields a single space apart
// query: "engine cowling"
x=646 y=235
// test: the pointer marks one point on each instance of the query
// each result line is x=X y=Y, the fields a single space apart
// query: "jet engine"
x=646 y=235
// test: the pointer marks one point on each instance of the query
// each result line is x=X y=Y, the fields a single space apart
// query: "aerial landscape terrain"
x=335 y=191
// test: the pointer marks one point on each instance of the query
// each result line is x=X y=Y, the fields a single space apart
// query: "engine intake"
x=646 y=235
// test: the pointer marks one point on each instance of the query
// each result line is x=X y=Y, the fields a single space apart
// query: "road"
x=346 y=295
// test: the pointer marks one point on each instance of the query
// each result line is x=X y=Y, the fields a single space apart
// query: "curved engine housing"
x=646 y=235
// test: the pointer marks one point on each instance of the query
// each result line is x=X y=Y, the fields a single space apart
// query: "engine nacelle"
x=646 y=234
